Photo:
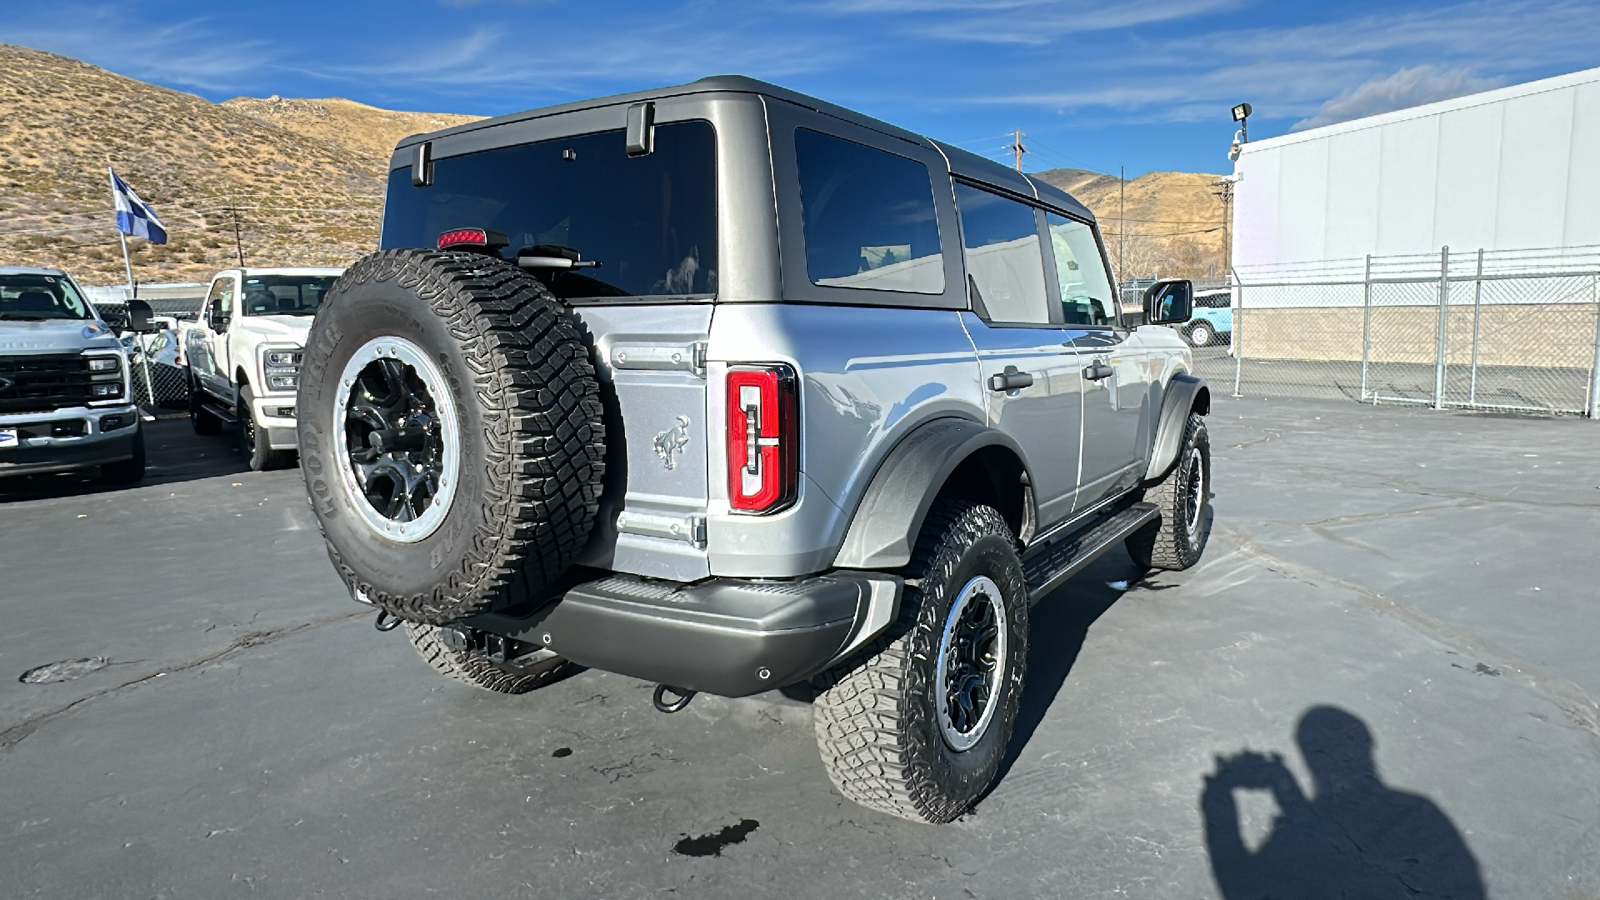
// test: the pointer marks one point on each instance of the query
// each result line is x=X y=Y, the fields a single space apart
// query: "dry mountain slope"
x=366 y=133
x=307 y=185
x=1172 y=219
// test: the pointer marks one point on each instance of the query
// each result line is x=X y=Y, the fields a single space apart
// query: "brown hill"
x=364 y=132
x=1172 y=220
x=304 y=186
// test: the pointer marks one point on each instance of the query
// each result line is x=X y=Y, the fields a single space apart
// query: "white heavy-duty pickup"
x=243 y=356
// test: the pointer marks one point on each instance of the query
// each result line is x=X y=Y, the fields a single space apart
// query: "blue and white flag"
x=133 y=216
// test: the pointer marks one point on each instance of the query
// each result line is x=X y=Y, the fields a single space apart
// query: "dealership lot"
x=240 y=728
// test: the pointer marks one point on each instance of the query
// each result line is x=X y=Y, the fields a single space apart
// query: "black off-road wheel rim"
x=399 y=444
x=1194 y=492
x=972 y=662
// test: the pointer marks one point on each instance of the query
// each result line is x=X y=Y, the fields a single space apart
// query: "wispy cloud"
x=191 y=53
x=1021 y=22
x=1412 y=86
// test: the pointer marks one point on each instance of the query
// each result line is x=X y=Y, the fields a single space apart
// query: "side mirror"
x=139 y=313
x=215 y=317
x=1169 y=302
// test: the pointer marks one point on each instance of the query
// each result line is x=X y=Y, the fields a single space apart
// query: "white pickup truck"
x=242 y=353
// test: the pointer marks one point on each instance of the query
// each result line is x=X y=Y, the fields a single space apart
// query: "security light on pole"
x=1241 y=114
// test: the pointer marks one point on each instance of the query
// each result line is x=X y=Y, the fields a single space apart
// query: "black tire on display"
x=252 y=443
x=893 y=737
x=1176 y=540
x=130 y=470
x=450 y=431
x=200 y=419
x=533 y=671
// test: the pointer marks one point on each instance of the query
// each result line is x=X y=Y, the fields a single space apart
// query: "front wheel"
x=1176 y=540
x=127 y=471
x=1201 y=335
x=918 y=728
x=252 y=443
x=201 y=419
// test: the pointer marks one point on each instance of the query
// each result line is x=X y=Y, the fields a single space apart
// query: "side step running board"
x=221 y=412
x=1047 y=566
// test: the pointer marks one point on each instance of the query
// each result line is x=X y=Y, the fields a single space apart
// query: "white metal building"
x=1513 y=168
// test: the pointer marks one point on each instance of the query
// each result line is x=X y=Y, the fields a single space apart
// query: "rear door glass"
x=869 y=219
x=1004 y=261
x=650 y=221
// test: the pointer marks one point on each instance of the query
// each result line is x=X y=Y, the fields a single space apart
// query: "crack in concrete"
x=15 y=734
x=1574 y=702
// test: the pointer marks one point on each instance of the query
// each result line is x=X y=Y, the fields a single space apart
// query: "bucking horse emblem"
x=669 y=442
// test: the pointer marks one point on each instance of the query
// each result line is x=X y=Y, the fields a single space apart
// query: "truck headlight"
x=102 y=363
x=106 y=390
x=282 y=368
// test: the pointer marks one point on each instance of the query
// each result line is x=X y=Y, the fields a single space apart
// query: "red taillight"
x=472 y=239
x=763 y=438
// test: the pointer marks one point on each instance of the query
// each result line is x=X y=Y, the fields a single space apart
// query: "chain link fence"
x=1507 y=330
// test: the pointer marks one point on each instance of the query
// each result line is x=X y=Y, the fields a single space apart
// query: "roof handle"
x=641 y=129
x=422 y=164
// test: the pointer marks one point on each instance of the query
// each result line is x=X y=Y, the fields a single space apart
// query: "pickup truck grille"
x=43 y=382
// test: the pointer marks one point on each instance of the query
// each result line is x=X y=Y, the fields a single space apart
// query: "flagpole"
x=127 y=264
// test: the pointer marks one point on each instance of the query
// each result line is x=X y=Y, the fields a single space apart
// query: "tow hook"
x=677 y=705
x=386 y=622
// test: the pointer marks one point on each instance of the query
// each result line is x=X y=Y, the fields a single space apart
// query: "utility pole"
x=238 y=242
x=1224 y=190
x=1017 y=146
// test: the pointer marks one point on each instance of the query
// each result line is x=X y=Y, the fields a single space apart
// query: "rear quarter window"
x=868 y=217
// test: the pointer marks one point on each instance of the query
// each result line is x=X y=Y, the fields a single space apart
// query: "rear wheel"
x=451 y=433
x=1201 y=335
x=1178 y=537
x=518 y=676
x=919 y=727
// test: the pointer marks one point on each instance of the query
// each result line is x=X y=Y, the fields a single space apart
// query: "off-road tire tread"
x=867 y=715
x=475 y=670
x=543 y=414
x=1165 y=544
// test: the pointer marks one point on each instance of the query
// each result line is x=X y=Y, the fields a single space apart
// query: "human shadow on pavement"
x=1353 y=837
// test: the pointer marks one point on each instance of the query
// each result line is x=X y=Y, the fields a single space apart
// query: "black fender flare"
x=889 y=517
x=1184 y=394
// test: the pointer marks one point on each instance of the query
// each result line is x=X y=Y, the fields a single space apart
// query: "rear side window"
x=1005 y=263
x=650 y=221
x=869 y=217
x=1086 y=297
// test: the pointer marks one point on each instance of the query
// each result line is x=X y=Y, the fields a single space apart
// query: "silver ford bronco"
x=729 y=389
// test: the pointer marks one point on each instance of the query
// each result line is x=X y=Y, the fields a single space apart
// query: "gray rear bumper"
x=722 y=636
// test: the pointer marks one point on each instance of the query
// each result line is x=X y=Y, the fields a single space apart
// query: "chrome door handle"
x=1098 y=371
x=1009 y=380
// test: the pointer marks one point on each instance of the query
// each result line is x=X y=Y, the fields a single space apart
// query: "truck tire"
x=456 y=393
x=534 y=671
x=200 y=419
x=1201 y=335
x=130 y=470
x=257 y=452
x=1176 y=539
x=893 y=737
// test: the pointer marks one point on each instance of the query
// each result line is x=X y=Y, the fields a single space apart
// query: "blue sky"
x=1093 y=83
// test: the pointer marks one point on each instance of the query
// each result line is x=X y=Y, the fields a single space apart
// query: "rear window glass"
x=869 y=217
x=649 y=221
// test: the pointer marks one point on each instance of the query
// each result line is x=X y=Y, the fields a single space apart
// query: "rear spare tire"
x=450 y=433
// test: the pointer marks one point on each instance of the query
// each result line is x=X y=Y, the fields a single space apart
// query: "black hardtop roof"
x=962 y=163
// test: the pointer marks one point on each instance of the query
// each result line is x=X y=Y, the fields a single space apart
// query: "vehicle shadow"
x=1353 y=836
x=1058 y=625
x=173 y=454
